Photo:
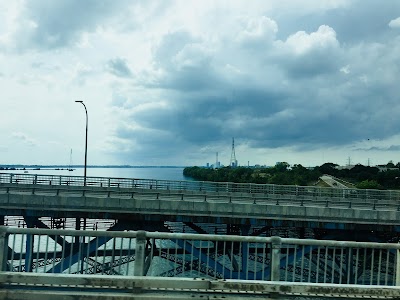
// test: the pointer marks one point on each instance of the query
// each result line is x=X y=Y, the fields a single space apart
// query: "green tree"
x=369 y=184
x=282 y=166
x=390 y=164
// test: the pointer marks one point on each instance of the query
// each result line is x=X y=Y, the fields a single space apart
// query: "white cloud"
x=192 y=55
x=302 y=42
x=168 y=81
x=257 y=30
x=345 y=69
x=312 y=54
x=395 y=23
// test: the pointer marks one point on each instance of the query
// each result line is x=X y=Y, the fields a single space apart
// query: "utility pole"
x=233 y=162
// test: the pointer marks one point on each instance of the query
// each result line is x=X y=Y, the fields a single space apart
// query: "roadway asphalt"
x=332 y=182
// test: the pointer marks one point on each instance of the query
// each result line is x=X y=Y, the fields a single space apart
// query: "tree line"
x=282 y=173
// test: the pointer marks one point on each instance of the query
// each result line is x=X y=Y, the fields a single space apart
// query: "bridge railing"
x=159 y=254
x=121 y=198
x=204 y=186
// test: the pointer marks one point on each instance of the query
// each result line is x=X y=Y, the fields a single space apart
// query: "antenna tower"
x=233 y=162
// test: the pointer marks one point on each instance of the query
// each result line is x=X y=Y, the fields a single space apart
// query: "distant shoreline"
x=47 y=167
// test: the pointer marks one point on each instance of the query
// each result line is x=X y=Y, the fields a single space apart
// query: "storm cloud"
x=178 y=81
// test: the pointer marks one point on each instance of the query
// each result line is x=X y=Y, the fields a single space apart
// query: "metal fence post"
x=3 y=248
x=276 y=244
x=140 y=253
x=398 y=268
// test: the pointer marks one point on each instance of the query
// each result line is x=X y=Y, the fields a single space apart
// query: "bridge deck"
x=115 y=198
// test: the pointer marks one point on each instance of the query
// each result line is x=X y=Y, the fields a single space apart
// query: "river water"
x=165 y=173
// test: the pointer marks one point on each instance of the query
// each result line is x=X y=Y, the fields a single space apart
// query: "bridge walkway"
x=196 y=202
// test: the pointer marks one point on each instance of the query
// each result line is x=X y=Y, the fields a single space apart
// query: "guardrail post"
x=398 y=268
x=3 y=248
x=139 y=253
x=276 y=244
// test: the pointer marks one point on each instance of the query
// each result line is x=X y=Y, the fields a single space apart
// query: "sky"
x=172 y=82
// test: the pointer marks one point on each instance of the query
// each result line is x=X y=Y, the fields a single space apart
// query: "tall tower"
x=233 y=162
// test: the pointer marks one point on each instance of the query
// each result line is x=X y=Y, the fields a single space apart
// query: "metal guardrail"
x=159 y=254
x=188 y=196
x=209 y=191
x=49 y=287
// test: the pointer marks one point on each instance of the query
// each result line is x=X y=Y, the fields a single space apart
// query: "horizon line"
x=90 y=166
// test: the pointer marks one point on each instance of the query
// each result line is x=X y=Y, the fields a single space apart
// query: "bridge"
x=203 y=207
x=203 y=240
x=76 y=264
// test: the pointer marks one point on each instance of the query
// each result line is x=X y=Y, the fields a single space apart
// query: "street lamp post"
x=84 y=174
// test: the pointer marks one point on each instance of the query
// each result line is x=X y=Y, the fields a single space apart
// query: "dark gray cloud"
x=296 y=80
x=119 y=67
x=308 y=91
x=387 y=148
x=51 y=24
x=186 y=61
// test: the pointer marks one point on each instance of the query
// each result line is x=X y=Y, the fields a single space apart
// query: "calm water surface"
x=139 y=173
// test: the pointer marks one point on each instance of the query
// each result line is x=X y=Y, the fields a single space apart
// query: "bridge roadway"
x=190 y=201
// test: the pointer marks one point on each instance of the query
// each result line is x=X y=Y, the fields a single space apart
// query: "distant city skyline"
x=171 y=82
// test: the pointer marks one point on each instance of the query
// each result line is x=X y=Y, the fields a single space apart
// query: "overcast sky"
x=171 y=82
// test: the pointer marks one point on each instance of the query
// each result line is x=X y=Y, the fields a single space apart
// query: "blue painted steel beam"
x=85 y=250
x=29 y=252
x=203 y=219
